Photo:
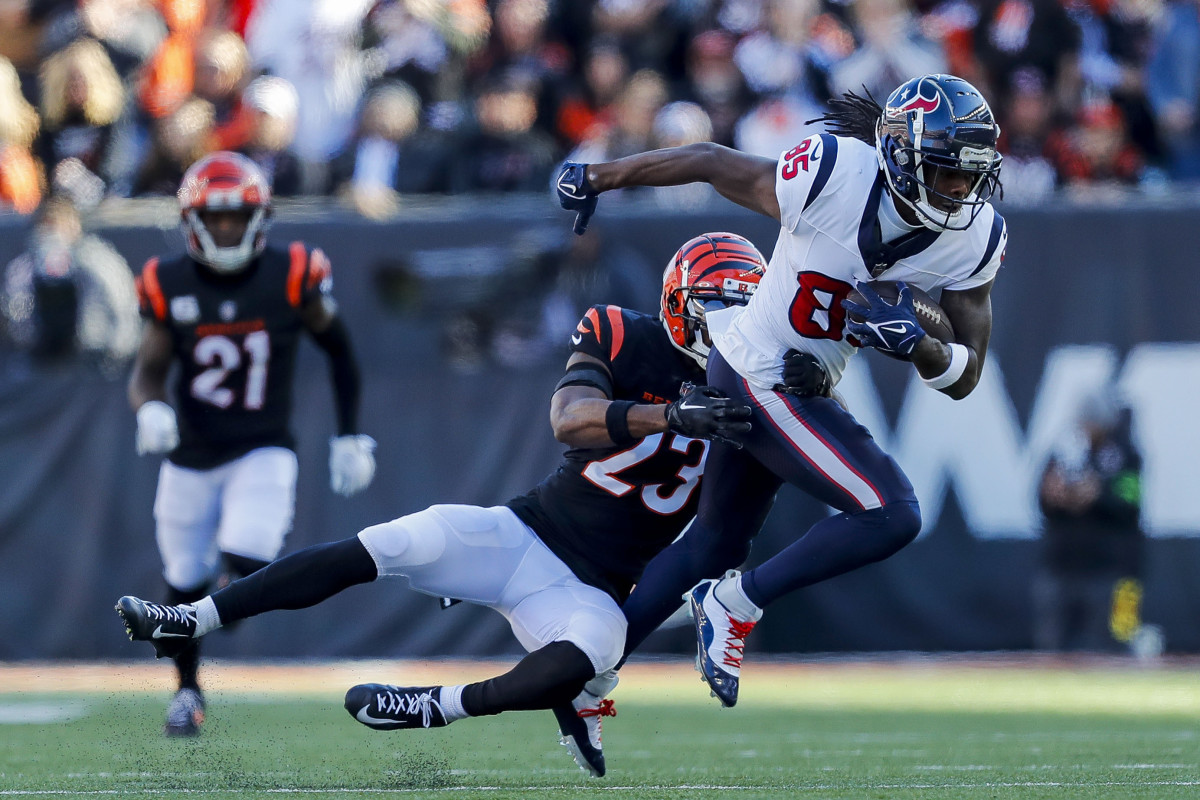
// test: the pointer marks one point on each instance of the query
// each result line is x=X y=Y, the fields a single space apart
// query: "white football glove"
x=351 y=463
x=157 y=430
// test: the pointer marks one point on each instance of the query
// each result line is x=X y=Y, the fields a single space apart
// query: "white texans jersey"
x=829 y=190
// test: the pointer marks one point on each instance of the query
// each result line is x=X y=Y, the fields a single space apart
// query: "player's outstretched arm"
x=583 y=415
x=745 y=179
x=351 y=454
x=970 y=312
x=157 y=428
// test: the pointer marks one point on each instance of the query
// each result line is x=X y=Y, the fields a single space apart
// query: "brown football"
x=929 y=313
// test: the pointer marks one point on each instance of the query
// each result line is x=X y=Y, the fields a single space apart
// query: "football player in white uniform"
x=896 y=193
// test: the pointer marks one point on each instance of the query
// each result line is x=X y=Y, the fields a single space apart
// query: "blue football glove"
x=576 y=194
x=891 y=328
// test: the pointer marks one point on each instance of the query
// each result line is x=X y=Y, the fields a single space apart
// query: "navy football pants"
x=813 y=444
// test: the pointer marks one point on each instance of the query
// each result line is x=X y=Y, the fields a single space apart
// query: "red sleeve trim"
x=299 y=256
x=151 y=290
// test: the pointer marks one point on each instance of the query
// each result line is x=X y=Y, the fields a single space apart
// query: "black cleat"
x=168 y=628
x=579 y=730
x=389 y=708
x=185 y=715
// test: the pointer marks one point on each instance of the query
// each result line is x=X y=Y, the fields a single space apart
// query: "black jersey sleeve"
x=152 y=302
x=310 y=275
x=600 y=333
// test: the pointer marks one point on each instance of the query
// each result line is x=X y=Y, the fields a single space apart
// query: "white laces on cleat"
x=409 y=704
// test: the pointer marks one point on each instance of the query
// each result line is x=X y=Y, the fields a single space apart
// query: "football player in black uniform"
x=558 y=561
x=230 y=314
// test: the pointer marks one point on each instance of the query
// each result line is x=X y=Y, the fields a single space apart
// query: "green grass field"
x=908 y=729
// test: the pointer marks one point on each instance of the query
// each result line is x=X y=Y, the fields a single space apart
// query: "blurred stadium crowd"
x=371 y=99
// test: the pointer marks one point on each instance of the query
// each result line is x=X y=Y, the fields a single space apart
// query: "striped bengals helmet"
x=721 y=268
x=225 y=181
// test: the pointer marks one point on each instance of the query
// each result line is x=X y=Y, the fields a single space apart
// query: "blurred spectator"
x=1095 y=153
x=222 y=66
x=82 y=99
x=1090 y=494
x=646 y=29
x=715 y=83
x=1114 y=46
x=1015 y=34
x=315 y=45
x=131 y=31
x=588 y=109
x=405 y=38
x=789 y=62
x=170 y=75
x=951 y=24
x=70 y=293
x=1173 y=86
x=520 y=42
x=391 y=155
x=271 y=108
x=1029 y=175
x=677 y=124
x=506 y=152
x=891 y=51
x=632 y=121
x=20 y=176
x=178 y=139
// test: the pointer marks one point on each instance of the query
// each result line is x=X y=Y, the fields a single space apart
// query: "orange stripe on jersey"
x=151 y=289
x=318 y=267
x=595 y=320
x=296 y=272
x=618 y=330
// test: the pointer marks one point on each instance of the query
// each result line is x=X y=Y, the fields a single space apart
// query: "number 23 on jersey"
x=603 y=473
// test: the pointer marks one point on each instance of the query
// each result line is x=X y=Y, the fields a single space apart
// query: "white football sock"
x=450 y=699
x=207 y=618
x=730 y=594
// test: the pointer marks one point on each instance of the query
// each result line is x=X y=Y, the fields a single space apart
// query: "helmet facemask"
x=713 y=271
x=225 y=260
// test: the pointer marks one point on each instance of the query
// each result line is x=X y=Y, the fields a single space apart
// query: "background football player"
x=229 y=313
x=557 y=561
x=902 y=195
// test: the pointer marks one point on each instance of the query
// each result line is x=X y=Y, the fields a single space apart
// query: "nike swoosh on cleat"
x=366 y=719
x=160 y=634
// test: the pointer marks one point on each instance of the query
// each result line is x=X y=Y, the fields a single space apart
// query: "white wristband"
x=959 y=356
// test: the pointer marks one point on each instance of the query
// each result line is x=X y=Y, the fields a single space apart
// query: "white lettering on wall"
x=978 y=446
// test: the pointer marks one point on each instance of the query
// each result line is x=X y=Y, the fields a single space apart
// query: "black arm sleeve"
x=343 y=369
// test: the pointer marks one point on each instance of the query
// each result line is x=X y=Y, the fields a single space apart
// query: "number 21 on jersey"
x=222 y=356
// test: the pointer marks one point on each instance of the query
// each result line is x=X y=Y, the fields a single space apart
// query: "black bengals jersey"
x=235 y=338
x=606 y=512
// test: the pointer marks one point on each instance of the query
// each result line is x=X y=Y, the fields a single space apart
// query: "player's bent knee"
x=600 y=637
x=409 y=541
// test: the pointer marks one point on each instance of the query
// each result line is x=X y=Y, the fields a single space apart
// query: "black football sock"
x=543 y=679
x=187 y=661
x=300 y=580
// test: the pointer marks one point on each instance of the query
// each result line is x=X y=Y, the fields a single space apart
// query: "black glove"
x=576 y=194
x=704 y=412
x=803 y=376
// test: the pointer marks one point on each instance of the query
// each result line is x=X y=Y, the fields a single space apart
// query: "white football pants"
x=488 y=556
x=244 y=508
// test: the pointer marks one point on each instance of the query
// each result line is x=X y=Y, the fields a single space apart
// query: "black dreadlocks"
x=853 y=116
